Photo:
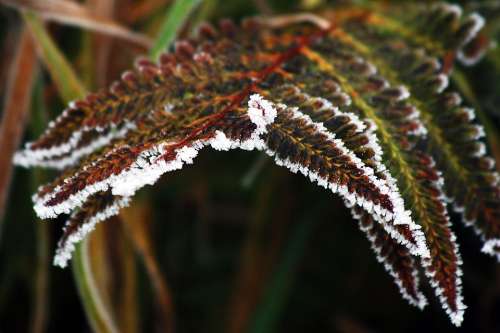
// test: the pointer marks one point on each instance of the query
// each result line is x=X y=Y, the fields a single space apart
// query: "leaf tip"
x=492 y=247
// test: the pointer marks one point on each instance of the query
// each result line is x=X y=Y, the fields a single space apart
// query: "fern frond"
x=360 y=108
x=471 y=180
x=400 y=129
x=441 y=29
x=307 y=147
x=396 y=259
x=98 y=208
x=359 y=137
x=126 y=168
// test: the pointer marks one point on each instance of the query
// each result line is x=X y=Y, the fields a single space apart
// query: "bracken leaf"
x=400 y=130
x=396 y=259
x=97 y=208
x=358 y=106
x=453 y=134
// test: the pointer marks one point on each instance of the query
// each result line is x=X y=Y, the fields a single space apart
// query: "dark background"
x=240 y=243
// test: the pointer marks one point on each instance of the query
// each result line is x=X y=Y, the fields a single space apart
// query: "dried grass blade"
x=138 y=11
x=74 y=14
x=135 y=222
x=15 y=110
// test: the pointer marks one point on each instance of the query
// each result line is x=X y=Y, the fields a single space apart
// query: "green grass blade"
x=70 y=88
x=270 y=309
x=99 y=317
x=62 y=73
x=175 y=18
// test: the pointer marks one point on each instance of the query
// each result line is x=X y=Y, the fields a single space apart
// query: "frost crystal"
x=399 y=214
x=67 y=154
x=64 y=252
x=261 y=112
x=149 y=166
x=419 y=300
x=492 y=247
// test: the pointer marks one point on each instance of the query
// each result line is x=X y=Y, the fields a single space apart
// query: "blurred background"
x=231 y=244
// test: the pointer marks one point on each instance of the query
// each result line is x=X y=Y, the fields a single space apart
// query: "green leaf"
x=97 y=314
x=62 y=73
x=174 y=19
x=271 y=307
